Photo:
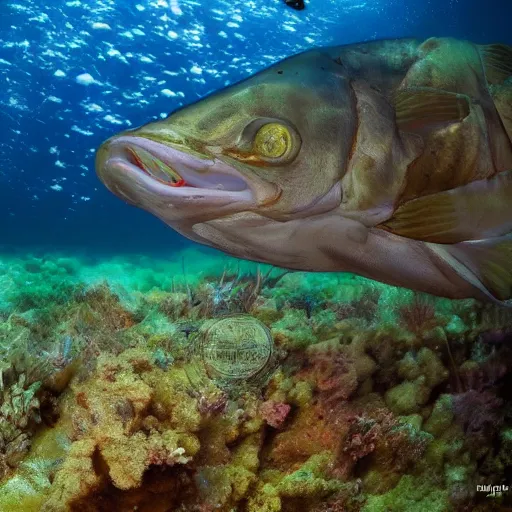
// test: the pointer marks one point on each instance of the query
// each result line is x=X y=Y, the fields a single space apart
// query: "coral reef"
x=19 y=412
x=377 y=399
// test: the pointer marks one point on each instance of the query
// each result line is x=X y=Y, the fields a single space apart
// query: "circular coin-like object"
x=235 y=347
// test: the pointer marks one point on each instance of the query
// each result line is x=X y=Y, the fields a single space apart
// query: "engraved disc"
x=236 y=347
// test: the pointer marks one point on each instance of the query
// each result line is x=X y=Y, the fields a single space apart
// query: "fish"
x=389 y=159
x=298 y=5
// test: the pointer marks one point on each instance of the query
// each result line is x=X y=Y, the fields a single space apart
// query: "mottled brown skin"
x=451 y=154
x=399 y=166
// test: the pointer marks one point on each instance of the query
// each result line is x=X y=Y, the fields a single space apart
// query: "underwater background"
x=372 y=399
x=74 y=73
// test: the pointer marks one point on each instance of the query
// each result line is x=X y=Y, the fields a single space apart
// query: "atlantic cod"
x=390 y=159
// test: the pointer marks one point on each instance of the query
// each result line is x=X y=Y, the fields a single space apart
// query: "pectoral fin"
x=479 y=210
x=497 y=59
x=487 y=264
x=418 y=107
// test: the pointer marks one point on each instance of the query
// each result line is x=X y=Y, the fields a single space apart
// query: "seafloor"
x=373 y=399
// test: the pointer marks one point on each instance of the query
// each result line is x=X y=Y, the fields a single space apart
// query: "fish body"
x=390 y=159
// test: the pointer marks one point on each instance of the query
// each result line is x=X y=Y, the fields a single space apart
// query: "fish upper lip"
x=198 y=173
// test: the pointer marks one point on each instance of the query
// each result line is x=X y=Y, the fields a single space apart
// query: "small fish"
x=390 y=159
x=295 y=4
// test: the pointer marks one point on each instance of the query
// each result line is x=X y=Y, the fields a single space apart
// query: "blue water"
x=139 y=61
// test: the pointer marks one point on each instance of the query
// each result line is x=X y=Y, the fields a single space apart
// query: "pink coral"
x=335 y=374
x=211 y=404
x=274 y=413
x=394 y=445
x=361 y=438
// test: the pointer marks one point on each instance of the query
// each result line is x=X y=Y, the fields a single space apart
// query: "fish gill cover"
x=141 y=371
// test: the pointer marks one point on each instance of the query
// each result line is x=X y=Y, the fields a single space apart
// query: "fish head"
x=275 y=144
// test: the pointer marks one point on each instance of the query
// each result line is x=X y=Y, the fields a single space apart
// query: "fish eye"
x=272 y=140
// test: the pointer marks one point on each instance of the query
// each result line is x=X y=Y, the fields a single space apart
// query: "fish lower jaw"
x=178 y=182
x=172 y=167
x=136 y=187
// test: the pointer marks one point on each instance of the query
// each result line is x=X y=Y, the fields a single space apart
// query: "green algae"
x=410 y=495
x=366 y=376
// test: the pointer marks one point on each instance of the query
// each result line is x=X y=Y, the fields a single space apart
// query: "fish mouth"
x=169 y=168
